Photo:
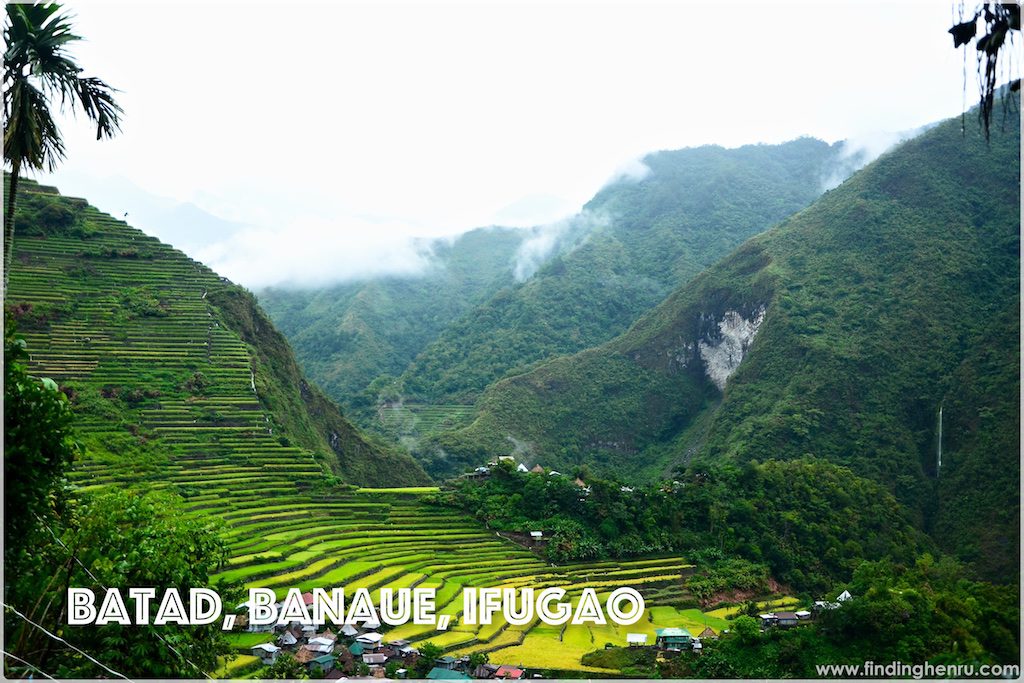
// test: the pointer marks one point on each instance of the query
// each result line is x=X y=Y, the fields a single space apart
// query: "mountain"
x=183 y=224
x=633 y=243
x=166 y=362
x=842 y=335
x=348 y=335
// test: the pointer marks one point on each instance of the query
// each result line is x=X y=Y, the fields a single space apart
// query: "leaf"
x=963 y=33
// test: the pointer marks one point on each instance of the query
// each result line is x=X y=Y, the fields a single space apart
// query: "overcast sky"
x=371 y=122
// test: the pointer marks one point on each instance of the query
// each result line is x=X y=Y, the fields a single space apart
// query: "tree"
x=1000 y=21
x=429 y=652
x=746 y=629
x=38 y=70
x=39 y=447
x=478 y=659
x=121 y=539
x=286 y=667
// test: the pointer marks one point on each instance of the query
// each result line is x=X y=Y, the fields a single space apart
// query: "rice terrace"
x=502 y=342
x=189 y=419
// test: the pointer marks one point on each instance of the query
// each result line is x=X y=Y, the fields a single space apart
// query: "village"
x=361 y=652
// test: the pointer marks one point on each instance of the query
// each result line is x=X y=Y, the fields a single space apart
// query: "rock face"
x=723 y=355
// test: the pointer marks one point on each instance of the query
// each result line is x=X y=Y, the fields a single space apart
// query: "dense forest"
x=645 y=238
x=494 y=300
x=352 y=337
x=806 y=523
x=912 y=613
x=893 y=296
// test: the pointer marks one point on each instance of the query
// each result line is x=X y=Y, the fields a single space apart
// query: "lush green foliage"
x=116 y=540
x=809 y=523
x=907 y=613
x=347 y=336
x=428 y=653
x=39 y=447
x=638 y=661
x=892 y=296
x=286 y=667
x=643 y=238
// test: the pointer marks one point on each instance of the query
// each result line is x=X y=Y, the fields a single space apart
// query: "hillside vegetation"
x=191 y=410
x=633 y=243
x=348 y=335
x=856 y=320
x=163 y=359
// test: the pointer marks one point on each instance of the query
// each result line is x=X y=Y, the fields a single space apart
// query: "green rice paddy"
x=165 y=394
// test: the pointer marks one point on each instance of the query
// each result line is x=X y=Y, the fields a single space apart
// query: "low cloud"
x=548 y=240
x=857 y=152
x=315 y=252
x=632 y=171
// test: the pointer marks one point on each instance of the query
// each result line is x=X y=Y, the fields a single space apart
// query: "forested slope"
x=349 y=334
x=856 y=320
x=633 y=243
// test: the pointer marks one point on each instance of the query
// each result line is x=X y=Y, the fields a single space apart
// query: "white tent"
x=636 y=638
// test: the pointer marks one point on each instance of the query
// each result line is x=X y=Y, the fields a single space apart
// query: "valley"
x=592 y=342
x=170 y=397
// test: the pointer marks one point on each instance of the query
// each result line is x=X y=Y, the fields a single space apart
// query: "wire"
x=100 y=584
x=61 y=640
x=73 y=555
x=34 y=668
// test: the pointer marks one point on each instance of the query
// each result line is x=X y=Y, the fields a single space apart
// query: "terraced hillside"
x=374 y=539
x=179 y=384
x=167 y=363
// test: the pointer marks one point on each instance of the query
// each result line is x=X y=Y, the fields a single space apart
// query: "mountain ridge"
x=872 y=295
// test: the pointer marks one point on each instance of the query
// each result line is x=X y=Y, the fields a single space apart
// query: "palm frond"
x=37 y=71
x=97 y=100
x=31 y=135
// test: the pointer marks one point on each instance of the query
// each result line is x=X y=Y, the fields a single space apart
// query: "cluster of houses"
x=484 y=470
x=450 y=668
x=672 y=640
x=791 y=619
x=360 y=650
x=336 y=655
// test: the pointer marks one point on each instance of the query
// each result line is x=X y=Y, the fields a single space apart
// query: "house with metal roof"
x=672 y=638
x=441 y=674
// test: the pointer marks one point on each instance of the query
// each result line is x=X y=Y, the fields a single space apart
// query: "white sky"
x=379 y=120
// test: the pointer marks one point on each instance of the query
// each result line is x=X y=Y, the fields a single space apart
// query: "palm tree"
x=38 y=69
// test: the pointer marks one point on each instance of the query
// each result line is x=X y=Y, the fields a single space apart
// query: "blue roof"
x=673 y=633
x=439 y=674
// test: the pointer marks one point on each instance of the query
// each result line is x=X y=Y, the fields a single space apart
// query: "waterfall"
x=938 y=464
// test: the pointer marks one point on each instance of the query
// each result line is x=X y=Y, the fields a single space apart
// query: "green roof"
x=356 y=648
x=439 y=674
x=673 y=633
x=324 y=659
